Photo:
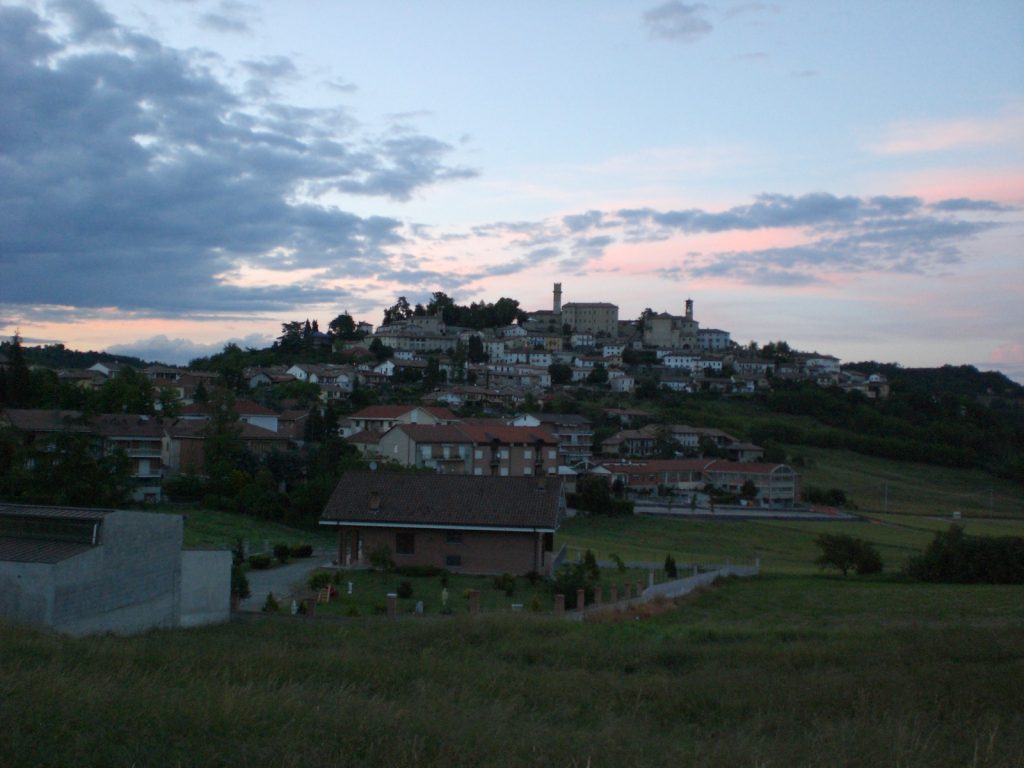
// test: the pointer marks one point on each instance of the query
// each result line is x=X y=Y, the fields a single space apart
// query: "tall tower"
x=557 y=307
x=689 y=309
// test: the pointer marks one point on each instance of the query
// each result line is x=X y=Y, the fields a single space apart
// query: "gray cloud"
x=131 y=177
x=231 y=17
x=963 y=204
x=675 y=21
x=882 y=233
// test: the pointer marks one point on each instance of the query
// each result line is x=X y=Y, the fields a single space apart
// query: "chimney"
x=557 y=306
x=374 y=501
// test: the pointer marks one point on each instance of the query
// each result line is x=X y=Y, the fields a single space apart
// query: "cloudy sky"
x=846 y=176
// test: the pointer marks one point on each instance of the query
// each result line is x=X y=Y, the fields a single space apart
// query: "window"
x=527 y=453
x=552 y=453
x=503 y=471
x=453 y=561
x=405 y=543
x=527 y=470
x=453 y=537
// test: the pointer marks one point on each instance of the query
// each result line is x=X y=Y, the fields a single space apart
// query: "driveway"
x=285 y=581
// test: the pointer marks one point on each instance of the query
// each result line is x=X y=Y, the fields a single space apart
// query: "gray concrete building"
x=85 y=571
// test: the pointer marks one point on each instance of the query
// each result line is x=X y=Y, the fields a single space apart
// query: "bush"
x=260 y=562
x=301 y=550
x=282 y=552
x=670 y=567
x=533 y=577
x=380 y=559
x=404 y=589
x=954 y=557
x=846 y=553
x=239 y=582
x=270 y=605
x=319 y=580
x=505 y=583
x=420 y=571
x=619 y=563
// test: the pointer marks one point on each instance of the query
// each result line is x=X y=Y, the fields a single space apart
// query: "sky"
x=848 y=177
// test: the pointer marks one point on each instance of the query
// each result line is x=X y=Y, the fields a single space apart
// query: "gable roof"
x=430 y=500
x=394 y=411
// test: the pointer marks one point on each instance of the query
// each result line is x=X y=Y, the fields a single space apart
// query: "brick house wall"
x=483 y=552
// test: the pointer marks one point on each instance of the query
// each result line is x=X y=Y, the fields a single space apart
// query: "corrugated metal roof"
x=39 y=550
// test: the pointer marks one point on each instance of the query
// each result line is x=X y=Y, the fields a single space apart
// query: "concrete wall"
x=26 y=592
x=205 y=587
x=131 y=582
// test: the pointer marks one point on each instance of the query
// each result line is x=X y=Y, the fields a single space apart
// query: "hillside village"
x=418 y=392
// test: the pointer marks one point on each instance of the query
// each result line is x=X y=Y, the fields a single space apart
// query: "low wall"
x=205 y=587
x=669 y=589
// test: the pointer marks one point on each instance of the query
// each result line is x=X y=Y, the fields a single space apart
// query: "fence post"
x=597 y=595
x=581 y=599
x=392 y=605
x=559 y=605
x=613 y=594
x=474 y=601
x=639 y=588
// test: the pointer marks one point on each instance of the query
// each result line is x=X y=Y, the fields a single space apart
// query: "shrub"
x=301 y=550
x=954 y=557
x=380 y=559
x=846 y=553
x=270 y=605
x=419 y=571
x=670 y=567
x=533 y=577
x=404 y=589
x=505 y=583
x=319 y=580
x=590 y=565
x=282 y=552
x=239 y=582
x=260 y=562
x=619 y=563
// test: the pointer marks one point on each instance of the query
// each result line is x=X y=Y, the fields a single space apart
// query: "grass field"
x=880 y=485
x=782 y=546
x=775 y=671
x=211 y=528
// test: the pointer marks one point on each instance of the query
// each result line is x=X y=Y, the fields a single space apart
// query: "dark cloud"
x=131 y=177
x=675 y=21
x=963 y=205
x=86 y=19
x=583 y=221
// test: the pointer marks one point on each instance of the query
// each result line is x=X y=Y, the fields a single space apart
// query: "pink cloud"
x=1007 y=353
x=917 y=136
x=1003 y=186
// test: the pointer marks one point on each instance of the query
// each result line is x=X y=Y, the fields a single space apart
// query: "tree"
x=343 y=326
x=222 y=446
x=845 y=553
x=598 y=375
x=475 y=352
x=560 y=374
x=17 y=391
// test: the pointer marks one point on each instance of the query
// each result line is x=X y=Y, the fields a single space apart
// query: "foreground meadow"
x=773 y=671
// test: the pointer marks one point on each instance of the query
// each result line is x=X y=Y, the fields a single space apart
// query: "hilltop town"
x=458 y=390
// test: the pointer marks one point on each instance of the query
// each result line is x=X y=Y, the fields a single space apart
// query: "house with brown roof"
x=183 y=445
x=461 y=523
x=484 y=448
